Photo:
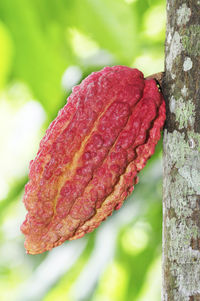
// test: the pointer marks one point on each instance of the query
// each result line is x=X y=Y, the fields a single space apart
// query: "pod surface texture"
x=89 y=158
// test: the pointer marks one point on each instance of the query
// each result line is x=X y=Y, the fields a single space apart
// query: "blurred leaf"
x=37 y=60
x=6 y=51
x=15 y=190
x=110 y=23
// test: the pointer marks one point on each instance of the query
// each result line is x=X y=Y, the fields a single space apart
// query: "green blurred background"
x=46 y=47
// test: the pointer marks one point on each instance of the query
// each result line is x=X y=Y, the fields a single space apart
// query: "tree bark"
x=181 y=155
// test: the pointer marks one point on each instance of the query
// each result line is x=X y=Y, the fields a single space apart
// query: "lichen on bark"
x=181 y=184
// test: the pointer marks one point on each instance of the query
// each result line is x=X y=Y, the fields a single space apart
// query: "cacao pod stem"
x=157 y=76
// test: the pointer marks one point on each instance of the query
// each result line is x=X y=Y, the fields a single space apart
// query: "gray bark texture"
x=181 y=154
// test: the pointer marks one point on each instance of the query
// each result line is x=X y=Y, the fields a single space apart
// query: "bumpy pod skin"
x=89 y=158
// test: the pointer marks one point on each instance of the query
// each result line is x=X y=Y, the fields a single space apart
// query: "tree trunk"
x=181 y=185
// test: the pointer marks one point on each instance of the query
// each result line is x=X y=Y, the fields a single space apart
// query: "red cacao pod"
x=90 y=156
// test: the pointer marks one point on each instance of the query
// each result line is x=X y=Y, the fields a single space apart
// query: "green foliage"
x=45 y=48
